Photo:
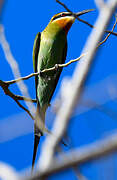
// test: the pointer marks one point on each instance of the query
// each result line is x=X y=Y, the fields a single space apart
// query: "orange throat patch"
x=65 y=23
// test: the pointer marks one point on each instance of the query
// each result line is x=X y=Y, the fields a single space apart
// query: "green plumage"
x=52 y=50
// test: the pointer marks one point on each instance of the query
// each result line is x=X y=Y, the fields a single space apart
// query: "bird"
x=49 y=49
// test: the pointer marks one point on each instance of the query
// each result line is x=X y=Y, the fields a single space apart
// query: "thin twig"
x=44 y=71
x=62 y=4
x=21 y=106
x=5 y=86
x=102 y=42
x=78 y=174
x=22 y=78
x=15 y=69
x=90 y=25
x=16 y=98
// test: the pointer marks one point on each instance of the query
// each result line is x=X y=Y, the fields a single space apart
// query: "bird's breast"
x=51 y=50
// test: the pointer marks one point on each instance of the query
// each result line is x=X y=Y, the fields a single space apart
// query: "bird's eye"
x=62 y=15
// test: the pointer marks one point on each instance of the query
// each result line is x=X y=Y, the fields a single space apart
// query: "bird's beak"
x=82 y=12
x=73 y=16
x=67 y=21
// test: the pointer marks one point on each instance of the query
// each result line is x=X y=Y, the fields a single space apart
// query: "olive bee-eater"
x=50 y=48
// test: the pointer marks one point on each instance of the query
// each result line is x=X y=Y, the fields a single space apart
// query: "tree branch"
x=16 y=98
x=102 y=42
x=79 y=156
x=91 y=26
x=22 y=78
x=5 y=86
x=16 y=72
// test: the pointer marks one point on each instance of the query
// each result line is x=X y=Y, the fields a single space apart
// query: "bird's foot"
x=56 y=67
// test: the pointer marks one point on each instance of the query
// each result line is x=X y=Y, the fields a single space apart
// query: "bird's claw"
x=56 y=67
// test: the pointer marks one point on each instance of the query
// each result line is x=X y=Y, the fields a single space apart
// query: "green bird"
x=50 y=48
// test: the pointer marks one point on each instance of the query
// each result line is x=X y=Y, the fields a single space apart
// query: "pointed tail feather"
x=39 y=128
x=36 y=142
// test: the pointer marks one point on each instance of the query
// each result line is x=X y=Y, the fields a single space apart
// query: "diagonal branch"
x=16 y=98
x=25 y=109
x=22 y=78
x=102 y=42
x=91 y=26
x=79 y=156
x=16 y=72
x=5 y=86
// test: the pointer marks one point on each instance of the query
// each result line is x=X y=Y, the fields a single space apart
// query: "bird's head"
x=66 y=19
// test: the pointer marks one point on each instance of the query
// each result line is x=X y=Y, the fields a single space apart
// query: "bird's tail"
x=36 y=142
x=39 y=129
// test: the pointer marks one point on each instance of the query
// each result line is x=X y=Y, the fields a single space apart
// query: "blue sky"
x=22 y=20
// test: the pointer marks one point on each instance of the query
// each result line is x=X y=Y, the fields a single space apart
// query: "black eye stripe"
x=61 y=15
x=56 y=17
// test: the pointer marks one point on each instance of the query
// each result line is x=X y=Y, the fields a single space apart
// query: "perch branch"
x=79 y=156
x=16 y=98
x=90 y=25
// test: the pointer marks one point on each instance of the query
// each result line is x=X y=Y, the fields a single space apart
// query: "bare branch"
x=90 y=25
x=15 y=69
x=102 y=42
x=62 y=4
x=22 y=78
x=79 y=156
x=54 y=68
x=21 y=106
x=5 y=86
x=6 y=90
x=78 y=174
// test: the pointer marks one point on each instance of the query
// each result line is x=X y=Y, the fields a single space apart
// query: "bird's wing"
x=63 y=61
x=36 y=47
